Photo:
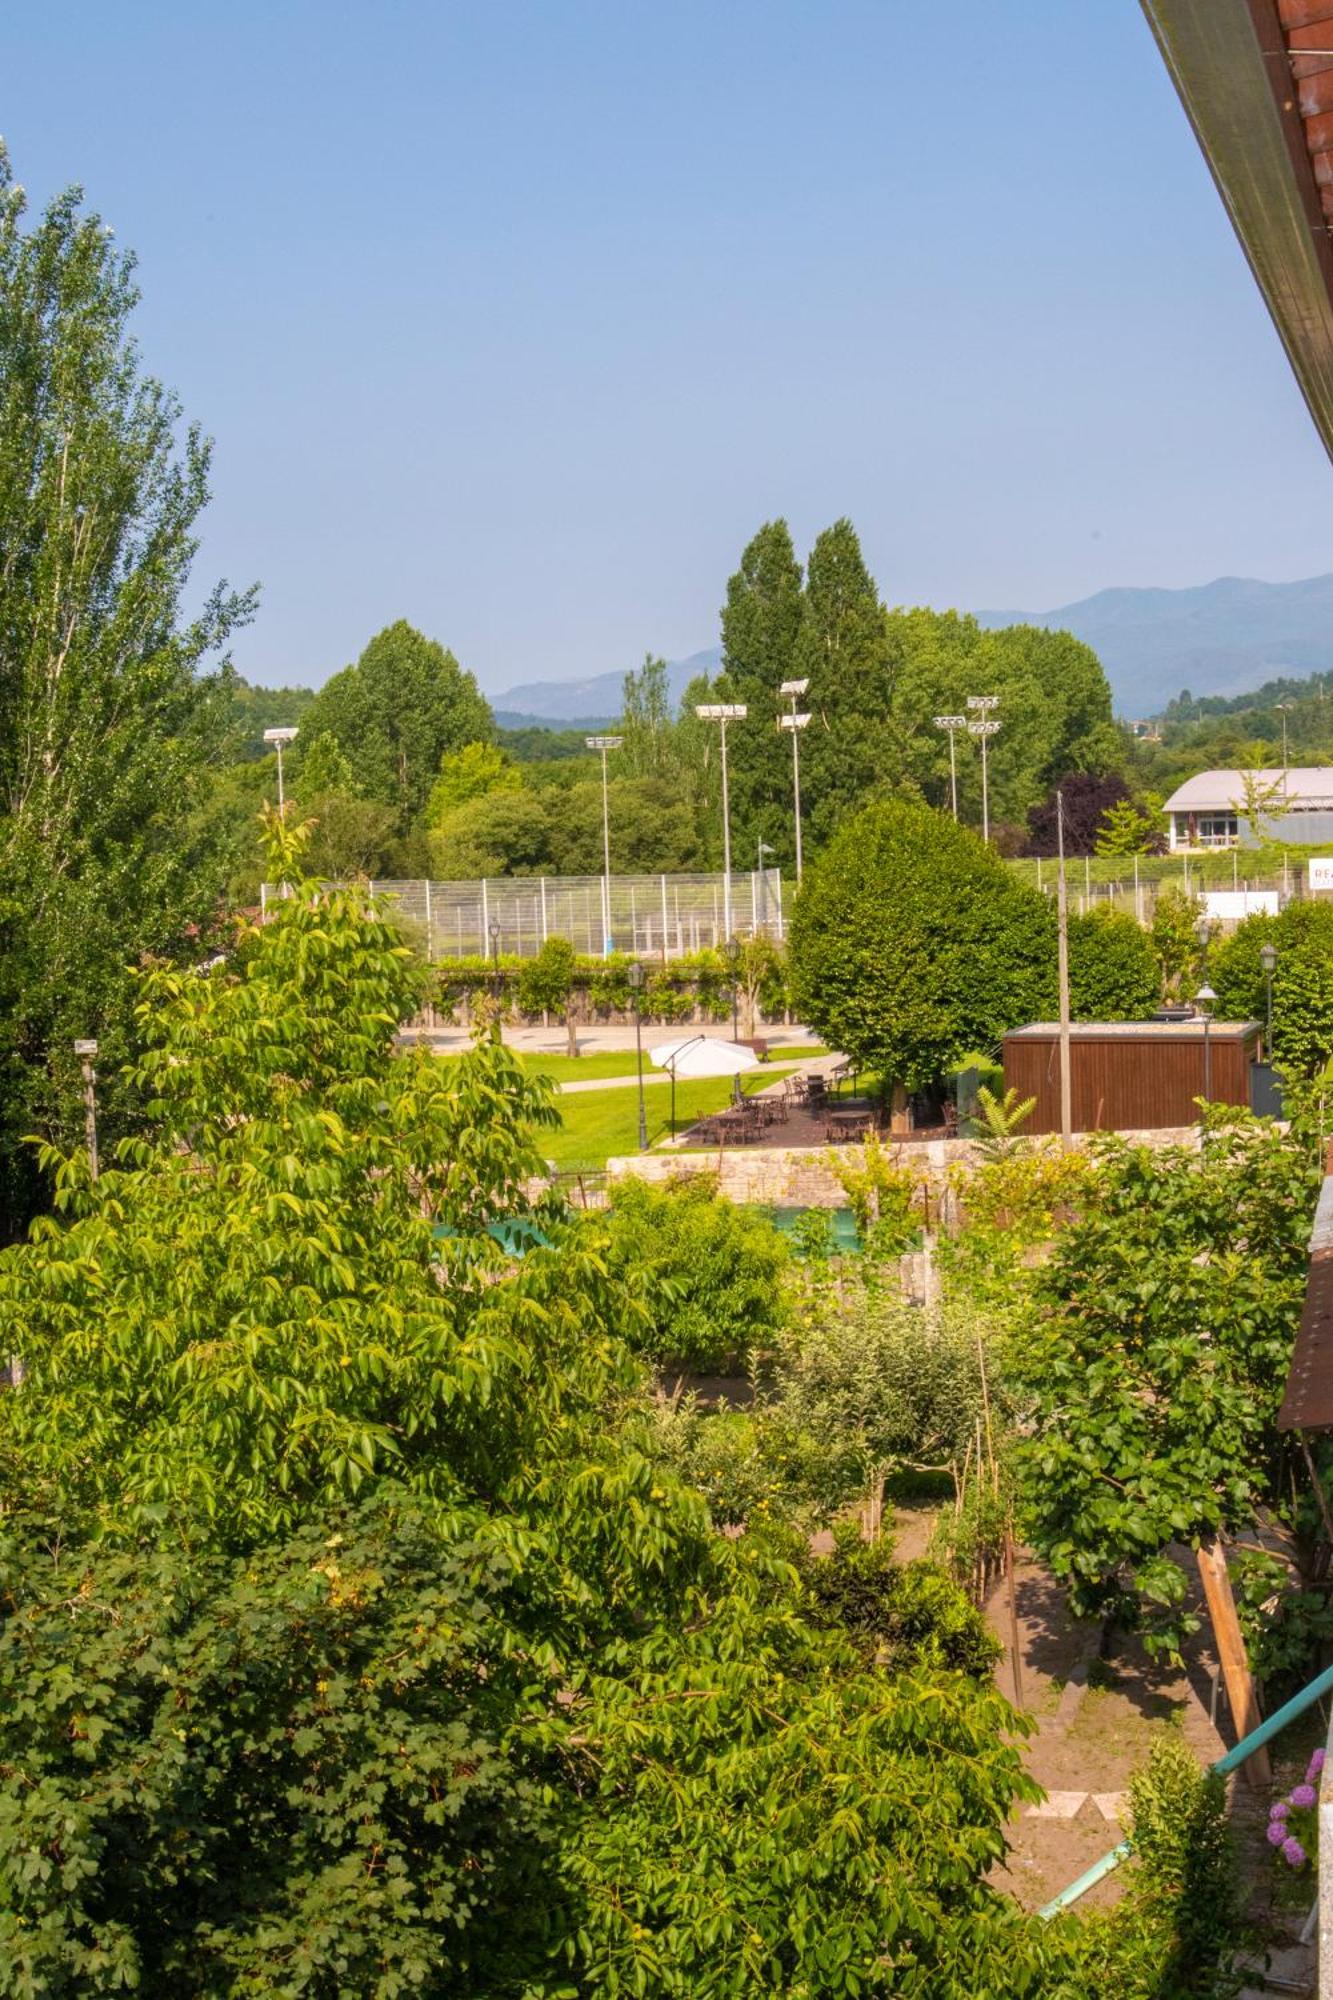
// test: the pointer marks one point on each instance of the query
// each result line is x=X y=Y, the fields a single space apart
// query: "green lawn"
x=600 y=1123
x=573 y=1069
x=621 y=1062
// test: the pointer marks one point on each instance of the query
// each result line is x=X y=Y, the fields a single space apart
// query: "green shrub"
x=710 y=1274
x=909 y=1616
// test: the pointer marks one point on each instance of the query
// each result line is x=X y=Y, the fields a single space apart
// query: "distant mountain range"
x=591 y=703
x=1216 y=638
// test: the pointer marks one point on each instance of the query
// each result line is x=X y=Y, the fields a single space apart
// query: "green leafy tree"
x=646 y=722
x=107 y=725
x=1114 y=973
x=843 y=651
x=500 y=833
x=546 y=985
x=1054 y=712
x=474 y=772
x=1302 y=935
x=1126 y=830
x=761 y=628
x=351 y=1637
x=912 y=945
x=403 y=706
x=713 y=1273
x=1158 y=1368
x=1175 y=926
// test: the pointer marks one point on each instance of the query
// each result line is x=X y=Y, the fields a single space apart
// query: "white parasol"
x=700 y=1055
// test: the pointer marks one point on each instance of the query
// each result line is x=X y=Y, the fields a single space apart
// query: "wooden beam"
x=1245 y=1716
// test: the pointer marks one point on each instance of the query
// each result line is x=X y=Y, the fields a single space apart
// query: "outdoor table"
x=848 y=1125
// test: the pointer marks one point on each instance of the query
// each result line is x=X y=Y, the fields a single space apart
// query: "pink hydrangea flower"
x=1316 y=1766
x=1277 y=1832
x=1293 y=1853
x=1280 y=1810
x=1303 y=1795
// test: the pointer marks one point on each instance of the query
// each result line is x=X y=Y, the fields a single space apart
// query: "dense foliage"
x=107 y=726
x=1113 y=969
x=912 y=945
x=353 y=1640
x=395 y=714
x=711 y=1273
x=1302 y=935
x=1157 y=1365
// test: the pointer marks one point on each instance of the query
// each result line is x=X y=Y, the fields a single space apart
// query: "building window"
x=1218 y=830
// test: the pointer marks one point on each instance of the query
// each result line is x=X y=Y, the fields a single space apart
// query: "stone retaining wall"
x=803 y=1177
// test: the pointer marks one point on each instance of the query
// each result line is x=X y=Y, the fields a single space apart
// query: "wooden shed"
x=1131 y=1076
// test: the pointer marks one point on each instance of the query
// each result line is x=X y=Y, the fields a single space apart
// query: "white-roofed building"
x=1210 y=810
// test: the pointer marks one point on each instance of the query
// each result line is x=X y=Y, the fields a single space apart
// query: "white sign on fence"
x=1229 y=906
x=1320 y=871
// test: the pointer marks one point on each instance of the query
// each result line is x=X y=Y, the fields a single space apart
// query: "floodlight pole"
x=952 y=723
x=605 y=743
x=795 y=724
x=1062 y=934
x=984 y=727
x=278 y=737
x=723 y=712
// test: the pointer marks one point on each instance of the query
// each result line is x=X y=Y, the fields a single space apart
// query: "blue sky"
x=517 y=319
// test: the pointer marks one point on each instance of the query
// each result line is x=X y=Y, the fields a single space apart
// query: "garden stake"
x=1014 y=1652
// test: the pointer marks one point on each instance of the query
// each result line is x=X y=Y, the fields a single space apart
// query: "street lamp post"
x=795 y=724
x=279 y=737
x=1268 y=960
x=85 y=1051
x=494 y=929
x=985 y=726
x=1283 y=708
x=605 y=743
x=723 y=712
x=1203 y=1001
x=635 y=977
x=952 y=723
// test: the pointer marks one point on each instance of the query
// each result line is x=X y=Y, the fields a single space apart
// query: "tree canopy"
x=350 y=1632
x=912 y=945
x=396 y=713
x=108 y=727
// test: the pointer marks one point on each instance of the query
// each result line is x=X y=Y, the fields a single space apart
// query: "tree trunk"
x=899 y=1120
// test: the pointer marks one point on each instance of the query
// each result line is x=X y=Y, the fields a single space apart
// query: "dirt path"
x=1097 y=1719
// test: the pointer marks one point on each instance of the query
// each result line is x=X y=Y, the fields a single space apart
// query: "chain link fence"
x=648 y=916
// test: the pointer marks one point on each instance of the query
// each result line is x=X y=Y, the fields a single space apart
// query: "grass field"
x=599 y=1123
x=576 y=1069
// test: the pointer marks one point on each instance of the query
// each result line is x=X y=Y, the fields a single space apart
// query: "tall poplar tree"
x=843 y=650
x=106 y=724
x=761 y=627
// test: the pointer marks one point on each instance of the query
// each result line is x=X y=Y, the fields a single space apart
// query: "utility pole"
x=795 y=723
x=723 y=712
x=952 y=723
x=85 y=1051
x=605 y=743
x=1062 y=932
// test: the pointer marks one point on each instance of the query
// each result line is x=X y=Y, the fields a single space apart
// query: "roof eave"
x=1228 y=60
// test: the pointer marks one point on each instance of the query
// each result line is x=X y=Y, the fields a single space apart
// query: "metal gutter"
x=1230 y=64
